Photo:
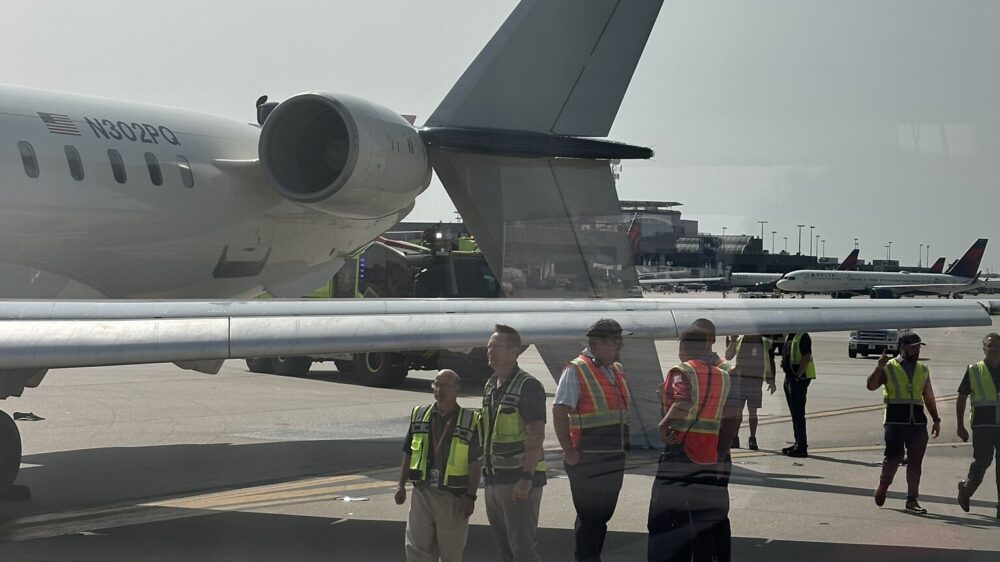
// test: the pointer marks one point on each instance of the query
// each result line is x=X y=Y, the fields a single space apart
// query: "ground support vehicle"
x=866 y=342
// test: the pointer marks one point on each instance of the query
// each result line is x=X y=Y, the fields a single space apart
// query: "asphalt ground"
x=156 y=463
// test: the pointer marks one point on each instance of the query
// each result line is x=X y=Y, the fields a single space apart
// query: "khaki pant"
x=435 y=529
x=514 y=523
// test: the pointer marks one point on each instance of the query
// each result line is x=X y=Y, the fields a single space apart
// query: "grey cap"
x=606 y=327
x=910 y=339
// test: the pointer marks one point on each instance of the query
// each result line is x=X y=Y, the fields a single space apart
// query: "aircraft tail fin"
x=555 y=66
x=968 y=265
x=938 y=266
x=850 y=263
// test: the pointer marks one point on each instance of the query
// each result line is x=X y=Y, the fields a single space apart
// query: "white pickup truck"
x=877 y=342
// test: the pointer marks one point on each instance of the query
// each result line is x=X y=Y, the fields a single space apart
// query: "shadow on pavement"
x=257 y=536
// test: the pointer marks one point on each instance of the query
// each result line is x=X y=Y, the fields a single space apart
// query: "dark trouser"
x=985 y=445
x=683 y=510
x=594 y=482
x=795 y=394
x=722 y=531
x=914 y=439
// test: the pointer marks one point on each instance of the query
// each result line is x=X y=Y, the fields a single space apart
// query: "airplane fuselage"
x=102 y=198
x=861 y=282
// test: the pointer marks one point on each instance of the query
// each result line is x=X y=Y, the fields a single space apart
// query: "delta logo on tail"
x=938 y=266
x=968 y=265
x=850 y=263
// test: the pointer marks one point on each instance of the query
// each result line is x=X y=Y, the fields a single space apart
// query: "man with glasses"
x=981 y=381
x=591 y=416
x=441 y=458
x=513 y=421
x=906 y=389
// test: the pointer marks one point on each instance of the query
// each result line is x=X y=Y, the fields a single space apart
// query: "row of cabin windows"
x=30 y=162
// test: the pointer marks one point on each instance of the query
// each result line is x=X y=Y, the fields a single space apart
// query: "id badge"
x=433 y=476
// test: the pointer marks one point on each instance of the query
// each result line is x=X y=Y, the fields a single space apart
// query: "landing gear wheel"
x=379 y=368
x=10 y=454
x=291 y=366
x=260 y=365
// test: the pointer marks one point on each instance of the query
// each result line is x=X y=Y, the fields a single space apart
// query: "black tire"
x=291 y=366
x=380 y=369
x=344 y=366
x=852 y=353
x=260 y=365
x=10 y=452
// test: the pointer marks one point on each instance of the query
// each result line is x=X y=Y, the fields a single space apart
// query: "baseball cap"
x=910 y=339
x=606 y=327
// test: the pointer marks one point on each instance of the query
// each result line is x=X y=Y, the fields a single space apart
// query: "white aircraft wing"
x=930 y=288
x=679 y=281
x=36 y=334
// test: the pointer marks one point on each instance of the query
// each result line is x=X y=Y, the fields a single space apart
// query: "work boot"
x=913 y=507
x=880 y=493
x=798 y=452
x=753 y=444
x=963 y=496
x=787 y=450
x=736 y=443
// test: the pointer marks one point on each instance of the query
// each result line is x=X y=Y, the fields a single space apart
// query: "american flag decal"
x=59 y=124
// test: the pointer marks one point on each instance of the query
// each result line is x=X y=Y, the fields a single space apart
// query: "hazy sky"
x=874 y=120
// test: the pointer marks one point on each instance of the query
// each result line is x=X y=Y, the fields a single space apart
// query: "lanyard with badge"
x=434 y=474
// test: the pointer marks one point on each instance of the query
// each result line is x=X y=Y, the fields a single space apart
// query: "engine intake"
x=343 y=155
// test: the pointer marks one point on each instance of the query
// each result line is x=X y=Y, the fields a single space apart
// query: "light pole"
x=786 y=243
x=928 y=255
x=817 y=244
x=811 y=227
x=800 y=238
x=724 y=230
x=886 y=252
x=920 y=256
x=824 y=247
x=773 y=232
x=889 y=251
x=762 y=223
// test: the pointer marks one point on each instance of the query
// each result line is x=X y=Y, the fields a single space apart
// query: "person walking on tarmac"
x=513 y=421
x=800 y=370
x=981 y=381
x=441 y=458
x=591 y=420
x=694 y=395
x=906 y=389
x=753 y=365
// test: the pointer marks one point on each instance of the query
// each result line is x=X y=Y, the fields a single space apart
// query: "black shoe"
x=736 y=443
x=880 y=494
x=787 y=450
x=798 y=452
x=963 y=497
x=913 y=507
x=753 y=444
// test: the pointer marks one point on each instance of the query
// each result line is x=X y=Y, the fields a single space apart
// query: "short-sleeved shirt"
x=805 y=347
x=986 y=416
x=568 y=390
x=531 y=408
x=438 y=423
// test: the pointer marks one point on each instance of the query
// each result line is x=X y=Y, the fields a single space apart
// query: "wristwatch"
x=527 y=476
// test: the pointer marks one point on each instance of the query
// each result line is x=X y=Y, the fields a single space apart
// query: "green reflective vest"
x=456 y=472
x=766 y=349
x=505 y=434
x=795 y=357
x=903 y=396
x=984 y=392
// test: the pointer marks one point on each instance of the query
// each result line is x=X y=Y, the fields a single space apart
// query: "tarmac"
x=155 y=463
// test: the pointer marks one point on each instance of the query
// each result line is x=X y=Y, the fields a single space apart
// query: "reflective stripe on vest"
x=766 y=346
x=504 y=441
x=601 y=404
x=984 y=391
x=705 y=414
x=795 y=357
x=456 y=473
x=900 y=390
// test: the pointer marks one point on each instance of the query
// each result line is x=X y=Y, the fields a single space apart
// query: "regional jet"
x=105 y=201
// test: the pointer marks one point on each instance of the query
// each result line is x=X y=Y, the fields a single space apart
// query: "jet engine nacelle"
x=343 y=155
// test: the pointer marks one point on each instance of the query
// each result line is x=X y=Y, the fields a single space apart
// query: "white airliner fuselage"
x=74 y=226
x=825 y=281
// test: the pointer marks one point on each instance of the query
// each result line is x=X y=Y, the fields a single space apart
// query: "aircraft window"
x=185 y=167
x=29 y=159
x=117 y=165
x=155 y=175
x=75 y=163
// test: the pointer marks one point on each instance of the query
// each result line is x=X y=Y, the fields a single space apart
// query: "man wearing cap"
x=981 y=381
x=591 y=417
x=906 y=389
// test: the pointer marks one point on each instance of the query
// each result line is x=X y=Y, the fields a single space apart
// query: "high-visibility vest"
x=456 y=471
x=903 y=396
x=699 y=430
x=985 y=395
x=795 y=357
x=505 y=435
x=765 y=349
x=602 y=405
